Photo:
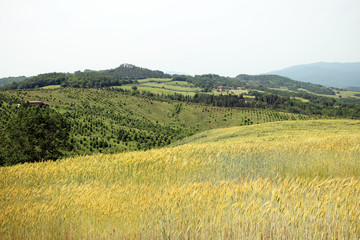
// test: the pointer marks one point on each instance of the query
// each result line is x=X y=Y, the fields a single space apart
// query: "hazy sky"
x=227 y=37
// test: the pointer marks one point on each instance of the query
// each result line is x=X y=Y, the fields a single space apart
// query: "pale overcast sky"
x=227 y=37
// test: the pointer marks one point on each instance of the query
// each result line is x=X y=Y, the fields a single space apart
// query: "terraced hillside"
x=281 y=180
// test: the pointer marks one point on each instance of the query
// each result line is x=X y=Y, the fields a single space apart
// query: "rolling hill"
x=339 y=75
x=283 y=180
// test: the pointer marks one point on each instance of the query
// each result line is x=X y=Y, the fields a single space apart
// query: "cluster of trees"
x=31 y=134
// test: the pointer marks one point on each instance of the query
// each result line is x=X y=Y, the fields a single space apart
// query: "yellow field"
x=283 y=180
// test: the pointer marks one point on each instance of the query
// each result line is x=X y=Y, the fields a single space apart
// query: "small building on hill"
x=38 y=103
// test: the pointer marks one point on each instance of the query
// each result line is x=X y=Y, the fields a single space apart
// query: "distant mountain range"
x=339 y=75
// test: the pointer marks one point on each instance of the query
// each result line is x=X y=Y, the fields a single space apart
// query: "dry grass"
x=289 y=180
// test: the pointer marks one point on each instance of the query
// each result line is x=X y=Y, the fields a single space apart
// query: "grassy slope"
x=157 y=90
x=283 y=180
x=164 y=86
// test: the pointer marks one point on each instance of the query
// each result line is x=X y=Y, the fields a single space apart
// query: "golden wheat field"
x=282 y=180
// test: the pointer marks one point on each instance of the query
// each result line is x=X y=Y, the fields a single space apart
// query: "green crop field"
x=164 y=86
x=281 y=180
